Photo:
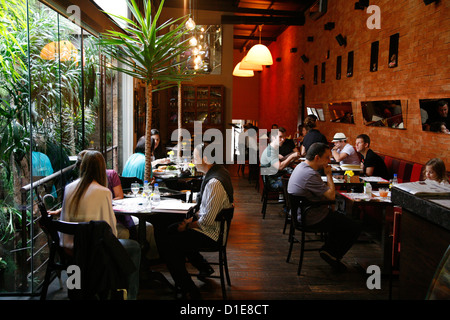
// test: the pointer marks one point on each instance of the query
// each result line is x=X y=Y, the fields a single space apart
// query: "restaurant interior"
x=378 y=68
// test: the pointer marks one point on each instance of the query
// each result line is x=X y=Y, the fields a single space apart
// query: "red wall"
x=422 y=73
x=245 y=93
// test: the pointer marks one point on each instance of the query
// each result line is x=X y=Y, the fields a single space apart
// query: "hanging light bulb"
x=242 y=73
x=193 y=42
x=259 y=53
x=190 y=24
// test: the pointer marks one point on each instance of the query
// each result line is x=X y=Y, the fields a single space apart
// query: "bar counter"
x=425 y=236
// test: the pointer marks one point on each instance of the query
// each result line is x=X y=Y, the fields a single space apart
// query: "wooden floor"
x=257 y=252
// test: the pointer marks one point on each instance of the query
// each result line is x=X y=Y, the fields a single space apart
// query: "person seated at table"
x=312 y=136
x=159 y=153
x=183 y=239
x=135 y=165
x=343 y=152
x=435 y=170
x=299 y=135
x=88 y=198
x=306 y=181
x=270 y=159
x=371 y=163
x=287 y=146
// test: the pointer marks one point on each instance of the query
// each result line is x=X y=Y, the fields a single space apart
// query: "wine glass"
x=135 y=188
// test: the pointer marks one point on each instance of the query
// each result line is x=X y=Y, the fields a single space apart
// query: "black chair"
x=225 y=216
x=127 y=181
x=267 y=192
x=59 y=257
x=287 y=212
x=303 y=205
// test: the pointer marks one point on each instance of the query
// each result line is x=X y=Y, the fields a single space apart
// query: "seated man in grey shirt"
x=306 y=182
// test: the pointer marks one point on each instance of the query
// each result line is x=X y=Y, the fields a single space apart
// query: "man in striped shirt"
x=184 y=238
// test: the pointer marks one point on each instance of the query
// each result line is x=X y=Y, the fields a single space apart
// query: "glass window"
x=56 y=98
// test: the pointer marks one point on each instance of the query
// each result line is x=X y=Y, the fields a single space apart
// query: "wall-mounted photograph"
x=341 y=112
x=385 y=113
x=434 y=114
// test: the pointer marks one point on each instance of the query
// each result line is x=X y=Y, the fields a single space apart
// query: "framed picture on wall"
x=393 y=50
x=350 y=64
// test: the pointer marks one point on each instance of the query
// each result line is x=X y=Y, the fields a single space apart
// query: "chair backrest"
x=127 y=181
x=305 y=205
x=285 y=181
x=52 y=228
x=225 y=216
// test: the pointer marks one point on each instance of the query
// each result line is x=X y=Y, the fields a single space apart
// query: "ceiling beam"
x=289 y=21
x=232 y=7
x=254 y=38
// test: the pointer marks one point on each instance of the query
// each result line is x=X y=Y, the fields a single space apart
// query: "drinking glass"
x=135 y=188
x=384 y=192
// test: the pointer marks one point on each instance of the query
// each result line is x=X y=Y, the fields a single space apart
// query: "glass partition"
x=386 y=113
x=56 y=99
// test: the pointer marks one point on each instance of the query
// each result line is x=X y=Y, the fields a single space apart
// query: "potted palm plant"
x=149 y=52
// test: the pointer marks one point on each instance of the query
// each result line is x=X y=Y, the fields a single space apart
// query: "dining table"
x=139 y=207
x=168 y=209
x=385 y=205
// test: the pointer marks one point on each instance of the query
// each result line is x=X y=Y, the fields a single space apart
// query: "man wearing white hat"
x=343 y=152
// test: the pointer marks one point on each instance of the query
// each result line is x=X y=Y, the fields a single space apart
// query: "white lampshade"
x=259 y=54
x=242 y=73
x=250 y=66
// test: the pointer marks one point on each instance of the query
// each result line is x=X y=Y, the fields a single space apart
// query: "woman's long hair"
x=93 y=168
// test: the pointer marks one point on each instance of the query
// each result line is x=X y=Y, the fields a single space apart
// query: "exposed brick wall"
x=422 y=73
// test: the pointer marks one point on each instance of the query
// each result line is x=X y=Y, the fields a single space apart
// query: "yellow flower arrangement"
x=349 y=173
x=191 y=165
x=170 y=153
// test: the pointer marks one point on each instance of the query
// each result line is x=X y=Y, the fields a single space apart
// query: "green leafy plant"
x=149 y=53
x=9 y=218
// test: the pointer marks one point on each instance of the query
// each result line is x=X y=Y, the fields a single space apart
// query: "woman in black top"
x=312 y=136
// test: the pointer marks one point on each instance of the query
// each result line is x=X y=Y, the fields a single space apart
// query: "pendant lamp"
x=242 y=73
x=259 y=53
x=250 y=66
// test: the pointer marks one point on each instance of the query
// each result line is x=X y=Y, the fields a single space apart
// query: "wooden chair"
x=225 y=216
x=304 y=205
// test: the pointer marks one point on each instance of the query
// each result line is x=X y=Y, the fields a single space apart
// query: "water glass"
x=135 y=188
